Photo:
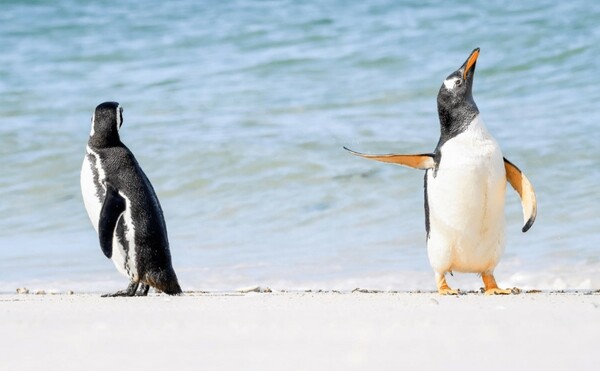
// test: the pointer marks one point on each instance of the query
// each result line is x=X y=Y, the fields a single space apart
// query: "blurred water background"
x=238 y=111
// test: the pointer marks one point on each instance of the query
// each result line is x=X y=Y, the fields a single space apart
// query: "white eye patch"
x=450 y=83
x=119 y=112
x=92 y=132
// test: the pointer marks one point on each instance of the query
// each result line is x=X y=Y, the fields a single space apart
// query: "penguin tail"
x=165 y=281
x=171 y=288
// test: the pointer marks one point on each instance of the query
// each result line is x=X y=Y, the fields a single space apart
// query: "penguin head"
x=456 y=96
x=106 y=122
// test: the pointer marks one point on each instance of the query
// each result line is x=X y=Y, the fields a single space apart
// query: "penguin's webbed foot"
x=498 y=291
x=448 y=291
x=143 y=291
x=491 y=288
x=129 y=291
x=442 y=285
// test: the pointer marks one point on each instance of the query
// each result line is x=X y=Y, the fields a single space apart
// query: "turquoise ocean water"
x=238 y=111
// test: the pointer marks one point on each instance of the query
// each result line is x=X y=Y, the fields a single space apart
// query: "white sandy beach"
x=301 y=331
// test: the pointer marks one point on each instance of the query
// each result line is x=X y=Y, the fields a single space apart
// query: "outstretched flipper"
x=422 y=162
x=521 y=184
x=112 y=208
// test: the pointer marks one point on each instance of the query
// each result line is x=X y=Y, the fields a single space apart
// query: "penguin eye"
x=458 y=82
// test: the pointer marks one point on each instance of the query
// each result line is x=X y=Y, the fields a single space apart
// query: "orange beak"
x=471 y=62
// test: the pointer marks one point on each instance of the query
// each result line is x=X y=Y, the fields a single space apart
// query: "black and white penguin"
x=465 y=183
x=124 y=209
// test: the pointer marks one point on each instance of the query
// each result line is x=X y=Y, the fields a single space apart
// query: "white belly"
x=466 y=204
x=125 y=262
x=91 y=200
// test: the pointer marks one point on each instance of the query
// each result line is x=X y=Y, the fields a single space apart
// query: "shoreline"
x=301 y=331
x=25 y=292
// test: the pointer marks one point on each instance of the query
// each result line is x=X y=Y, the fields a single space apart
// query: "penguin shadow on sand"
x=465 y=184
x=124 y=208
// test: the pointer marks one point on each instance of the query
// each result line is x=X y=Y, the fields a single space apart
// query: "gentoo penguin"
x=465 y=183
x=124 y=209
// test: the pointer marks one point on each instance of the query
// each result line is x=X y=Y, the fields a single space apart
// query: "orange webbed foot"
x=491 y=288
x=442 y=285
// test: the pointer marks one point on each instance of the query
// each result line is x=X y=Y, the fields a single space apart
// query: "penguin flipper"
x=523 y=186
x=423 y=161
x=112 y=208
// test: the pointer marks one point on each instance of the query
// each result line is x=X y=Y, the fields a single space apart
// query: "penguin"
x=465 y=184
x=124 y=209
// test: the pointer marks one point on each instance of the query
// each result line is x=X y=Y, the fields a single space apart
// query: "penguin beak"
x=470 y=63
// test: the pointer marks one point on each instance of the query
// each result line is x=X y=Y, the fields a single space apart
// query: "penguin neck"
x=455 y=119
x=104 y=141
